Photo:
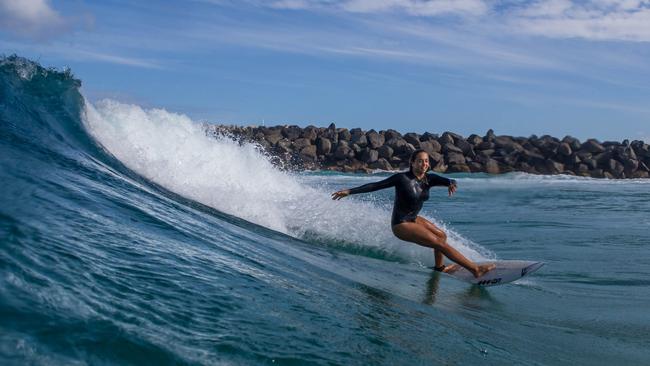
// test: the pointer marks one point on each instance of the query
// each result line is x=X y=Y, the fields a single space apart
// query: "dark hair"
x=414 y=155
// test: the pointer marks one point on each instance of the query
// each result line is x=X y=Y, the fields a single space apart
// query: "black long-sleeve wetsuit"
x=410 y=193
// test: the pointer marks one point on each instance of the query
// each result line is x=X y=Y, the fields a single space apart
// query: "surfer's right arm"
x=370 y=187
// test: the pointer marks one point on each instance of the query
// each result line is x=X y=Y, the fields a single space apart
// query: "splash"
x=237 y=179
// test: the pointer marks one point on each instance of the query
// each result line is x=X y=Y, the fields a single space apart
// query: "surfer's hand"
x=452 y=189
x=340 y=194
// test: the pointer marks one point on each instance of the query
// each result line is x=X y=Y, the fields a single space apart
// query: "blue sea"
x=129 y=237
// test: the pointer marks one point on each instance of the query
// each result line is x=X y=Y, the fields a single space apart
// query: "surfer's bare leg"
x=418 y=233
x=439 y=257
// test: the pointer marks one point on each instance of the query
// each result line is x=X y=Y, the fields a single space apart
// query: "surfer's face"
x=421 y=163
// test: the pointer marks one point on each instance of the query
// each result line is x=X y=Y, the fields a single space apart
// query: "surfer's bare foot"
x=483 y=269
x=451 y=268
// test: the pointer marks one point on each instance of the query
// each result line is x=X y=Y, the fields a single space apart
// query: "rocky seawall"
x=356 y=150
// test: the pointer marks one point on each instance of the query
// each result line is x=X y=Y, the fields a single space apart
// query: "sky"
x=557 y=67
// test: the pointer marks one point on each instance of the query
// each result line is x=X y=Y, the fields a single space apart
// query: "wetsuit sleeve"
x=436 y=180
x=371 y=187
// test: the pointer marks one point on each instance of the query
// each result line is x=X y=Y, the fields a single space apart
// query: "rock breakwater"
x=356 y=150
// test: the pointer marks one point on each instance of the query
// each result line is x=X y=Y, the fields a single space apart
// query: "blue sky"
x=558 y=67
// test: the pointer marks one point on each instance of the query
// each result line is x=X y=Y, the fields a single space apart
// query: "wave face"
x=129 y=237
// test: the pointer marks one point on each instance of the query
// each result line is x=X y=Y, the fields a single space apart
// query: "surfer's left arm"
x=436 y=180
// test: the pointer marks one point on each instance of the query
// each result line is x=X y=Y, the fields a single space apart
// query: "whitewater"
x=129 y=236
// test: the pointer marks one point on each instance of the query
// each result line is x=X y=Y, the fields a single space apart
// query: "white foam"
x=524 y=179
x=174 y=151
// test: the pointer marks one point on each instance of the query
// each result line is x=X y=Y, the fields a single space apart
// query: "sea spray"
x=237 y=179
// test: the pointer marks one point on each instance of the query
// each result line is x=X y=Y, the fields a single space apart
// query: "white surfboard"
x=505 y=272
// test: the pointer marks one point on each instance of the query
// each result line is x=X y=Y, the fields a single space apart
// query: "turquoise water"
x=128 y=237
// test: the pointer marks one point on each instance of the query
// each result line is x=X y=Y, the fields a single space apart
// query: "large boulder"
x=274 y=137
x=455 y=158
x=310 y=133
x=553 y=167
x=357 y=132
x=614 y=167
x=291 y=132
x=474 y=139
x=564 y=149
x=369 y=156
x=406 y=150
x=385 y=152
x=641 y=149
x=584 y=155
x=308 y=153
x=436 y=158
x=430 y=146
x=392 y=134
x=533 y=158
x=603 y=158
x=359 y=139
x=592 y=146
x=343 y=151
x=381 y=164
x=492 y=167
x=590 y=163
x=503 y=141
x=301 y=143
x=465 y=146
x=413 y=139
x=375 y=140
x=511 y=159
x=485 y=153
x=446 y=138
x=624 y=153
x=582 y=170
x=548 y=147
x=395 y=143
x=344 y=134
x=573 y=142
x=630 y=166
x=451 y=148
x=486 y=145
x=330 y=133
x=489 y=136
x=427 y=136
x=323 y=146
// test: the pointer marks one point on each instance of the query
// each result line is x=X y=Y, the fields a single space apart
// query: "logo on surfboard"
x=493 y=281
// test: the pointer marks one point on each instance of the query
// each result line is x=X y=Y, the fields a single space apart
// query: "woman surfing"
x=411 y=190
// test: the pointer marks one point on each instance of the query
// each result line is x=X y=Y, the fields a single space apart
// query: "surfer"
x=411 y=190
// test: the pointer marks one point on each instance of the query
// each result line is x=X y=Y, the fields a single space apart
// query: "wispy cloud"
x=627 y=20
x=593 y=20
x=416 y=7
x=81 y=54
x=31 y=18
x=117 y=59
x=410 y=7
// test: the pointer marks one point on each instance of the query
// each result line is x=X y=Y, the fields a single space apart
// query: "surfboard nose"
x=531 y=268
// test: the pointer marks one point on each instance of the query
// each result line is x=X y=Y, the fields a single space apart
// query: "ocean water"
x=129 y=237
